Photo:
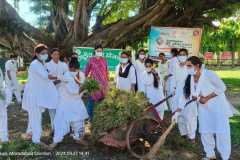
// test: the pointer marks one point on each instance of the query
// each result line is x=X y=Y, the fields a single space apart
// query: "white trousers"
x=3 y=124
x=187 y=121
x=35 y=123
x=61 y=130
x=52 y=113
x=9 y=95
x=222 y=142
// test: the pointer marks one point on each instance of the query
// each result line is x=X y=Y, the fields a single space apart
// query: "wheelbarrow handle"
x=163 y=100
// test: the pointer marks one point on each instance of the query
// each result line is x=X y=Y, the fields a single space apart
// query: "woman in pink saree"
x=97 y=69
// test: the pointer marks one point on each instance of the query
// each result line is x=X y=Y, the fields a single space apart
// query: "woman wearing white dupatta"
x=214 y=109
x=71 y=111
x=39 y=93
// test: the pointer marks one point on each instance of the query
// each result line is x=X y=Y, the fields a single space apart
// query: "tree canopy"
x=66 y=23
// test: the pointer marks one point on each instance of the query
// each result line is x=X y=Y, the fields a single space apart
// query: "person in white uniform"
x=125 y=75
x=3 y=112
x=140 y=68
x=12 y=85
x=153 y=87
x=170 y=82
x=163 y=71
x=214 y=109
x=71 y=111
x=187 y=120
x=56 y=68
x=39 y=93
x=179 y=76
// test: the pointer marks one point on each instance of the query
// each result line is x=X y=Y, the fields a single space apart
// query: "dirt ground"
x=175 y=148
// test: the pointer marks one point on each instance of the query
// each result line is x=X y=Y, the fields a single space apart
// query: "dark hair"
x=148 y=60
x=39 y=48
x=74 y=63
x=161 y=54
x=187 y=87
x=155 y=76
x=174 y=52
x=183 y=50
x=126 y=53
x=140 y=50
x=98 y=46
x=54 y=50
x=13 y=56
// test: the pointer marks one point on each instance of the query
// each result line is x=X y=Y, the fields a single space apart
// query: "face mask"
x=43 y=57
x=141 y=56
x=124 y=60
x=148 y=69
x=182 y=59
x=191 y=71
x=99 y=54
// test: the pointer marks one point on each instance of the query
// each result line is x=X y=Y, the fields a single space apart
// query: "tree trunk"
x=18 y=35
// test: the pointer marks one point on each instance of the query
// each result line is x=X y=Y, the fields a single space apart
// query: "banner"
x=162 y=39
x=111 y=55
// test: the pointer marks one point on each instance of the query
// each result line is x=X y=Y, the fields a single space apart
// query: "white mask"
x=141 y=56
x=124 y=60
x=191 y=71
x=43 y=57
x=99 y=54
x=182 y=59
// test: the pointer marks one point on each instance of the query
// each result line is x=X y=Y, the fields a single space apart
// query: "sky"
x=30 y=17
x=24 y=11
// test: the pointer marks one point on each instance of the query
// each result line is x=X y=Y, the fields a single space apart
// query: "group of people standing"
x=198 y=95
x=56 y=86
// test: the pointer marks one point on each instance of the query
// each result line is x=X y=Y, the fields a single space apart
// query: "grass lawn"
x=231 y=77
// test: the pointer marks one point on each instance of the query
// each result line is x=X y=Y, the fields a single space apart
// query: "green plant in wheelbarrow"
x=118 y=109
x=90 y=86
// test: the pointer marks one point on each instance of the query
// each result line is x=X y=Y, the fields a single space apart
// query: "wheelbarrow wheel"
x=142 y=135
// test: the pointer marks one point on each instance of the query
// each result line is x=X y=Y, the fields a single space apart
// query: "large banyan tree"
x=118 y=23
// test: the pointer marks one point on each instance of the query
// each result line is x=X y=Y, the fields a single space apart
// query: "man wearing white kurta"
x=125 y=75
x=56 y=68
x=140 y=68
x=12 y=85
x=3 y=112
x=39 y=92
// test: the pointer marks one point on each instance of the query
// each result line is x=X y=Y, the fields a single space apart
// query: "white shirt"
x=140 y=69
x=162 y=69
x=11 y=66
x=125 y=83
x=57 y=69
x=213 y=116
x=39 y=88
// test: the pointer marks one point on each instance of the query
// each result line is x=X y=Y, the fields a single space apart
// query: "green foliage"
x=119 y=10
x=224 y=38
x=90 y=85
x=117 y=110
x=19 y=145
